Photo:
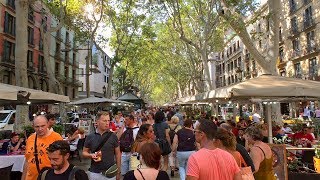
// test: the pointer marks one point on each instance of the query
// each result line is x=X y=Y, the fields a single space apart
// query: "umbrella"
x=10 y=95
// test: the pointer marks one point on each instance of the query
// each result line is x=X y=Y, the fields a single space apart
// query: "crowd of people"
x=146 y=144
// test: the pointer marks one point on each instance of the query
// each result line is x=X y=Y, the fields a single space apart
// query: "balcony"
x=61 y=78
x=42 y=70
x=306 y=2
x=294 y=31
x=6 y=61
x=295 y=54
x=311 y=48
x=308 y=23
x=69 y=80
x=78 y=83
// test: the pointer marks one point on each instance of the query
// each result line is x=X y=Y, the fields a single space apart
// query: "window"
x=280 y=34
x=231 y=66
x=67 y=37
x=313 y=67
x=58 y=47
x=81 y=72
x=40 y=42
x=307 y=19
x=44 y=23
x=260 y=44
x=7 y=77
x=294 y=25
x=239 y=61
x=292 y=5
x=56 y=68
x=11 y=4
x=66 y=56
x=310 y=41
x=30 y=59
x=30 y=14
x=281 y=54
x=228 y=67
x=253 y=65
x=30 y=35
x=73 y=74
x=66 y=71
x=66 y=90
x=296 y=45
x=297 y=70
x=73 y=93
x=9 y=24
x=74 y=58
x=41 y=64
x=9 y=51
x=234 y=47
x=105 y=78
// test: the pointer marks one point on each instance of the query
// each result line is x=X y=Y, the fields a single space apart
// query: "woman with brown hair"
x=260 y=153
x=145 y=135
x=227 y=141
x=150 y=156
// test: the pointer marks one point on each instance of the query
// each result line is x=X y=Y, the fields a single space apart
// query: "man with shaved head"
x=36 y=145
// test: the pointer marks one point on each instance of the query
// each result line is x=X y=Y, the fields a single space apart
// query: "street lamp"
x=104 y=89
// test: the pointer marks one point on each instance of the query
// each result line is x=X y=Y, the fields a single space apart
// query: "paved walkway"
x=85 y=164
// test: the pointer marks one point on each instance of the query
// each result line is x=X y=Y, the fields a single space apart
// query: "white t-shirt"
x=256 y=117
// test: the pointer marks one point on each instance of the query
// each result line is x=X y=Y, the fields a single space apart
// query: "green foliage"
x=28 y=129
x=58 y=128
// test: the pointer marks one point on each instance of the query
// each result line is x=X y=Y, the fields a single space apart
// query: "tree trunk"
x=206 y=70
x=21 y=52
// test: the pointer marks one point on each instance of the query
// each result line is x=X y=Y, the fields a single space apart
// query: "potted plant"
x=316 y=159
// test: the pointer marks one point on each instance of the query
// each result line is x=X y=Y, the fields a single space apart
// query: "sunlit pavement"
x=85 y=164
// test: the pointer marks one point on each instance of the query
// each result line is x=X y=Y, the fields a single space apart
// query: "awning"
x=10 y=94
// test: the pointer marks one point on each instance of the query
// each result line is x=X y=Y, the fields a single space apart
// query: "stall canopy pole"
x=269 y=120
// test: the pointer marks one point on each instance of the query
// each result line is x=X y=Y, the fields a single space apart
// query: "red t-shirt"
x=301 y=139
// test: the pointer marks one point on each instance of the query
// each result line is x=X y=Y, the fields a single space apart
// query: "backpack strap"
x=175 y=127
x=44 y=174
x=73 y=172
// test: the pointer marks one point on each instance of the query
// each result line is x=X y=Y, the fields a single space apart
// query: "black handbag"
x=163 y=143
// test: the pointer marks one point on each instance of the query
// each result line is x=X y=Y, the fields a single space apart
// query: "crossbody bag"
x=111 y=171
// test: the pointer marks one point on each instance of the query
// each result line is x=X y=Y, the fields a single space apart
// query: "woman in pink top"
x=210 y=162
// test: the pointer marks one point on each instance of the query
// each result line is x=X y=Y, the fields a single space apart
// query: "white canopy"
x=93 y=100
x=10 y=94
x=266 y=87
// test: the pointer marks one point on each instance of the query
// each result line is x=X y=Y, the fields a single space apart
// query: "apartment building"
x=98 y=73
x=298 y=41
x=65 y=65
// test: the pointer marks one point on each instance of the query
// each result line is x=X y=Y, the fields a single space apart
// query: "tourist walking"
x=184 y=145
x=161 y=130
x=36 y=156
x=210 y=162
x=58 y=153
x=150 y=156
x=102 y=147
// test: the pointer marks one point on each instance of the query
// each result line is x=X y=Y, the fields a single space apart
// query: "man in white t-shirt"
x=256 y=117
x=126 y=150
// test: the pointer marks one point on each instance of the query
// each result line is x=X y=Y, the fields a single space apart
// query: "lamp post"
x=104 y=89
